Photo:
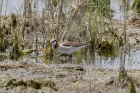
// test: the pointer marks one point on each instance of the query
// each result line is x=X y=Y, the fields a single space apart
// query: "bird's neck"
x=56 y=46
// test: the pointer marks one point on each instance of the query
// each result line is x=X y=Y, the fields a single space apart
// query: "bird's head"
x=53 y=42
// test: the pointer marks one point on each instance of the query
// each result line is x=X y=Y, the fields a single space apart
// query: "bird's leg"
x=70 y=55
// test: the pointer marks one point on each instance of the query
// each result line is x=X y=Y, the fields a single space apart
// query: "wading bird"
x=67 y=48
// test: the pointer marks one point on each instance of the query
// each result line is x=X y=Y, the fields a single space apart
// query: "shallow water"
x=98 y=60
x=106 y=60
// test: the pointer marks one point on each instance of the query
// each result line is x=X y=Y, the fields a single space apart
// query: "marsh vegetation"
x=27 y=30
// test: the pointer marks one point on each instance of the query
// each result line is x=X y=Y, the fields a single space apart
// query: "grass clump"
x=136 y=5
x=51 y=85
x=105 y=45
x=35 y=84
x=14 y=20
x=3 y=42
x=132 y=87
x=16 y=51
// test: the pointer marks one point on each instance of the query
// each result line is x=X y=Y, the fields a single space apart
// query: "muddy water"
x=98 y=60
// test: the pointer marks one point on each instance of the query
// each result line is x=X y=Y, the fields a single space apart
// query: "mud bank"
x=29 y=77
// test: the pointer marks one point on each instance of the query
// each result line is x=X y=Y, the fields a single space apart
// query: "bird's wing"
x=73 y=44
